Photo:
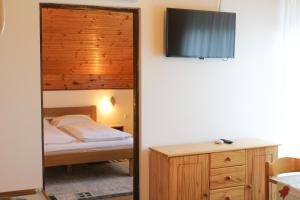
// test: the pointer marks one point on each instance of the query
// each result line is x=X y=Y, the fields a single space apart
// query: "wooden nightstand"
x=118 y=127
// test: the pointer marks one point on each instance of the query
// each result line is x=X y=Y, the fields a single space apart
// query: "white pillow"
x=70 y=119
x=93 y=132
x=53 y=135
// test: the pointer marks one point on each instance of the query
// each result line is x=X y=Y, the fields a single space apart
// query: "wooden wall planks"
x=87 y=49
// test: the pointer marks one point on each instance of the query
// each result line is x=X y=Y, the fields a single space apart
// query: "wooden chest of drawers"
x=207 y=171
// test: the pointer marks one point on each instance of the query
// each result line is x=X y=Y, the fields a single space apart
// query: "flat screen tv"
x=201 y=34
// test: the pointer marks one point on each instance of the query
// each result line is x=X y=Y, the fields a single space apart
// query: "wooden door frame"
x=136 y=63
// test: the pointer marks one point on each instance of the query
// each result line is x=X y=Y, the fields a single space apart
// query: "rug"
x=89 y=181
x=87 y=196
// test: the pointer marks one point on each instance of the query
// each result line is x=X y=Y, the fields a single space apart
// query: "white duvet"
x=53 y=135
x=79 y=146
x=94 y=132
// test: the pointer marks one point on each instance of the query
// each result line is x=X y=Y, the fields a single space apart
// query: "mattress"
x=79 y=146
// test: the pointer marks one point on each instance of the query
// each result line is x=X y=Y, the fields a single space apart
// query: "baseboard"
x=17 y=193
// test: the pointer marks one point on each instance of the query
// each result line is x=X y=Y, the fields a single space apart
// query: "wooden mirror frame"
x=136 y=88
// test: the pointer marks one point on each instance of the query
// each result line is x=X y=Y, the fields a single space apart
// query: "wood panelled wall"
x=87 y=49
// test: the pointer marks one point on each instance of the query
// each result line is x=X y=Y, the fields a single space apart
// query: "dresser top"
x=211 y=147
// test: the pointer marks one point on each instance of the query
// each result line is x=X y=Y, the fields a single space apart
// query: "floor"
x=100 y=180
x=122 y=198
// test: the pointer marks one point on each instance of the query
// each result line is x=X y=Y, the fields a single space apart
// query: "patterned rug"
x=86 y=196
x=89 y=181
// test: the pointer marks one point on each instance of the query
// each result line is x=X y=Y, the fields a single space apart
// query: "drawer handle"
x=248 y=187
x=227 y=198
x=227 y=159
x=228 y=178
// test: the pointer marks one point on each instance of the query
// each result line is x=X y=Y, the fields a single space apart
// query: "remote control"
x=227 y=141
x=219 y=141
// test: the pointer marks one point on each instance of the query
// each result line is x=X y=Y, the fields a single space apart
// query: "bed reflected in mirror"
x=90 y=99
x=81 y=154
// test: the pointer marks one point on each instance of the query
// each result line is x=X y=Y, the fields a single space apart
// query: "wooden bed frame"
x=92 y=156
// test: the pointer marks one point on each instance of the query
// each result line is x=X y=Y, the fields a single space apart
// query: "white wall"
x=20 y=105
x=290 y=81
x=189 y=100
x=121 y=113
x=183 y=100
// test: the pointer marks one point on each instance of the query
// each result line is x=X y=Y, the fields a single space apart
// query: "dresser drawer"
x=227 y=177
x=236 y=193
x=227 y=159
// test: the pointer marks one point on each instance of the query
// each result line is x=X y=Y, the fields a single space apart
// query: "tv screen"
x=201 y=34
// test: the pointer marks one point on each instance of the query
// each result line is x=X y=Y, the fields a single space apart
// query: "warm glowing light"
x=106 y=105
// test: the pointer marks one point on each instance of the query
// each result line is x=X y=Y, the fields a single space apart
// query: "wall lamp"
x=107 y=104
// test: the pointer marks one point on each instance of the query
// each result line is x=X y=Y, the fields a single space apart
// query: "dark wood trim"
x=42 y=99
x=17 y=193
x=87 y=89
x=136 y=150
x=87 y=7
x=136 y=27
